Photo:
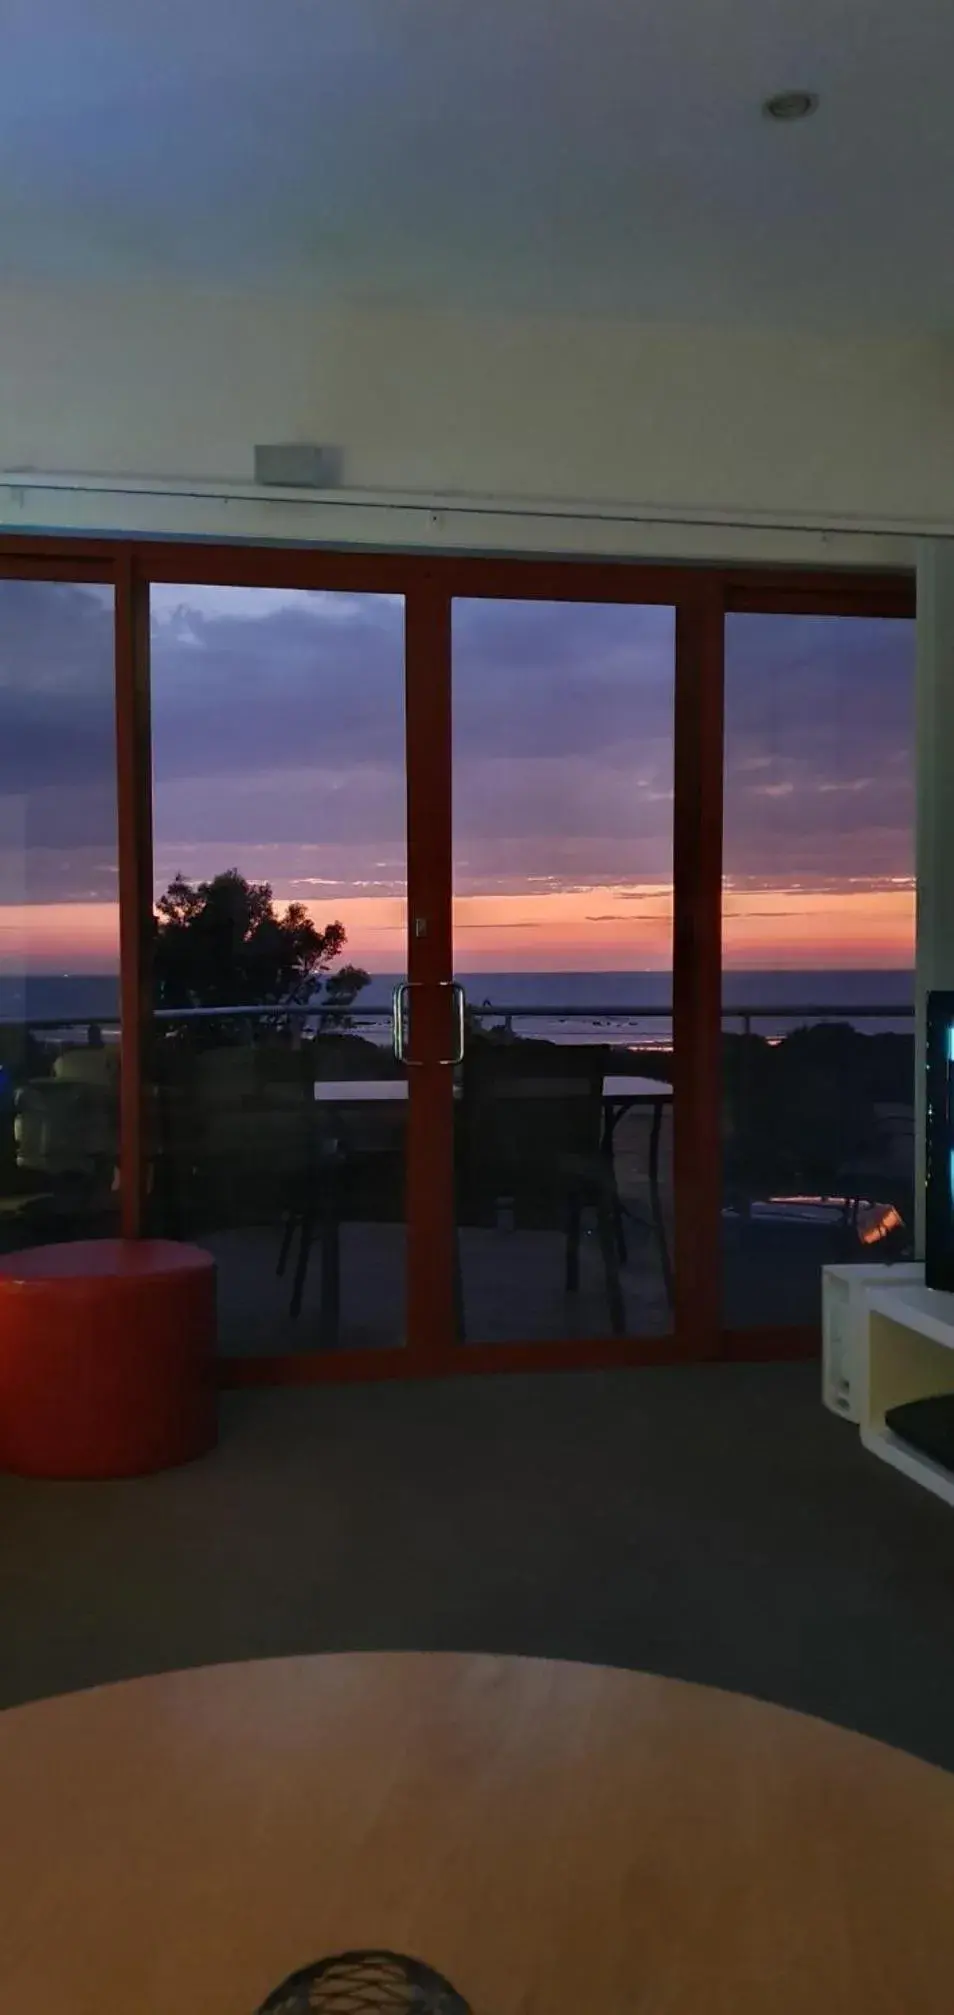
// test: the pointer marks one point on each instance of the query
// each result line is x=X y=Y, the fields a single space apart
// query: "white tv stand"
x=910 y=1352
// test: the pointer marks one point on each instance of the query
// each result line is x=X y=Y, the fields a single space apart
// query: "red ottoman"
x=106 y=1357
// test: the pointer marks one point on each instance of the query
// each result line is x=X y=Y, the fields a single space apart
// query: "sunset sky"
x=278 y=725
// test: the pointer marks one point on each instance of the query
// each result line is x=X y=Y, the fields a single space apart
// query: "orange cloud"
x=575 y=930
x=59 y=937
x=601 y=929
x=857 y=927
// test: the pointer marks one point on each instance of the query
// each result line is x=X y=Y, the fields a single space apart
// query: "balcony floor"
x=513 y=1286
x=512 y=1280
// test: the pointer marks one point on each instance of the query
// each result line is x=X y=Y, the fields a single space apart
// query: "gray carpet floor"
x=711 y=1523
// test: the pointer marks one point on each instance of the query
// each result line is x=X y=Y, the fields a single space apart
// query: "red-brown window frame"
x=702 y=597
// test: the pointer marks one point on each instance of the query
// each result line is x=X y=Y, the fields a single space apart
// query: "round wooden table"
x=556 y=1839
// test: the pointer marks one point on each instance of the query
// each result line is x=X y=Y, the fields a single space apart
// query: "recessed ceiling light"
x=786 y=105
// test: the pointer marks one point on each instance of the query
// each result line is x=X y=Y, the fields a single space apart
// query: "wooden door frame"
x=701 y=596
x=430 y=1144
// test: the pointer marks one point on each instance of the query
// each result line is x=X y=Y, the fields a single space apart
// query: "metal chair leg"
x=284 y=1252
x=655 y=1203
x=304 y=1254
x=619 y=1229
x=612 y=1114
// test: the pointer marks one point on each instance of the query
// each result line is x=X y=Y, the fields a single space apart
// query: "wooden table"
x=618 y=1091
x=557 y=1839
x=620 y=1094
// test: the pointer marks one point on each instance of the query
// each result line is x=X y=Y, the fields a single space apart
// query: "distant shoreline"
x=619 y=1008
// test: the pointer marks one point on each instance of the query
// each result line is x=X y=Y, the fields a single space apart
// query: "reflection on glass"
x=818 y=955
x=59 y=919
x=280 y=930
x=563 y=927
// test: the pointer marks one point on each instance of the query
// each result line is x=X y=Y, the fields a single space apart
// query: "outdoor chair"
x=529 y=1150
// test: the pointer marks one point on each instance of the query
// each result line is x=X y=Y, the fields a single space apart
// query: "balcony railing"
x=505 y=1013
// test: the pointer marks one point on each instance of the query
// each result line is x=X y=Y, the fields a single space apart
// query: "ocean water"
x=71 y=996
x=633 y=1009
x=628 y=1009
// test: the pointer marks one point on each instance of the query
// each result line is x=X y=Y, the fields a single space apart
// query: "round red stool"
x=106 y=1357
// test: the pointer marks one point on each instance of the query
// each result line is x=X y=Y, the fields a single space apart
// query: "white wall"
x=642 y=431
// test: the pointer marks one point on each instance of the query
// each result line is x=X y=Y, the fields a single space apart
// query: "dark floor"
x=712 y=1523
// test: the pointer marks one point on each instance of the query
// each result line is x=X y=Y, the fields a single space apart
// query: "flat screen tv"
x=939 y=1143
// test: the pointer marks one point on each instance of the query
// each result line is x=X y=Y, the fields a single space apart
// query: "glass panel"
x=563 y=791
x=59 y=914
x=818 y=955
x=278 y=748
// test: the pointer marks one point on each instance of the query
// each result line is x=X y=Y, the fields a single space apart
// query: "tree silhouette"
x=222 y=943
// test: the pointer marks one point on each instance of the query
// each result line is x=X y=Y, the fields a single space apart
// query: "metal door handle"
x=397 y=1020
x=399 y=1001
x=460 y=1020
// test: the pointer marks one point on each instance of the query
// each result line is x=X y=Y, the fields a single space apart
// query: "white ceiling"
x=594 y=156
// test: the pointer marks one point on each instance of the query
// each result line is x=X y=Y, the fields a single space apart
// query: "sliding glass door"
x=59 y=910
x=280 y=885
x=494 y=963
x=563 y=935
x=818 y=956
